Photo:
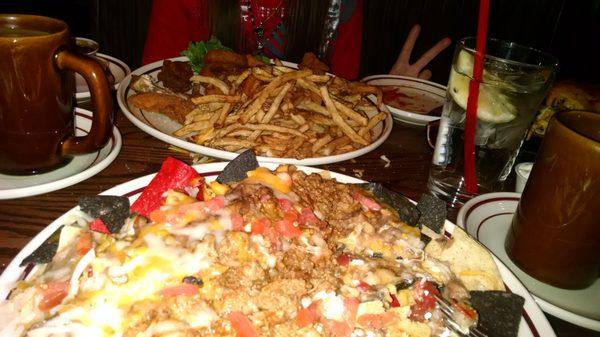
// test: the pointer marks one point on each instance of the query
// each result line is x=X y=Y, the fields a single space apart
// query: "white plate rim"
x=552 y=309
x=226 y=155
x=115 y=61
x=533 y=319
x=115 y=142
x=403 y=115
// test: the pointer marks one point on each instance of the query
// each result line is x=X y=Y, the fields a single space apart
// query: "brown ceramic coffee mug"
x=36 y=96
x=555 y=233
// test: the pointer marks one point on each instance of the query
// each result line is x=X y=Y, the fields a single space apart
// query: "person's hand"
x=402 y=65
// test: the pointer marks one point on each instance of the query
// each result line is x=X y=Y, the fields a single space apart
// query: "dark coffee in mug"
x=36 y=96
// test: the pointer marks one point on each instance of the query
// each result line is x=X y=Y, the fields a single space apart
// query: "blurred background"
x=567 y=29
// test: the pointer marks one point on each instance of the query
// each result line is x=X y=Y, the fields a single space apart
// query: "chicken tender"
x=171 y=106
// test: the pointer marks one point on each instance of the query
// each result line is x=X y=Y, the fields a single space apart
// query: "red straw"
x=471 y=122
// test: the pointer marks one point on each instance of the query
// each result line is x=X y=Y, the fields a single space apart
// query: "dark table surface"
x=141 y=154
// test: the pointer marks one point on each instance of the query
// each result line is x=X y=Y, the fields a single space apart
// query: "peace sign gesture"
x=402 y=65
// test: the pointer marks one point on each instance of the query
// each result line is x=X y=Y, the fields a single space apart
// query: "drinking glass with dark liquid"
x=555 y=232
x=37 y=92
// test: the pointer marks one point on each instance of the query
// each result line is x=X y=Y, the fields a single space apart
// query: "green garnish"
x=263 y=59
x=197 y=50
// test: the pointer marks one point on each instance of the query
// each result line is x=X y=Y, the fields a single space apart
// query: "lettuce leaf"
x=197 y=50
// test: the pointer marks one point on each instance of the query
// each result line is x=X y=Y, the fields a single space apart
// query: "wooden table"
x=141 y=154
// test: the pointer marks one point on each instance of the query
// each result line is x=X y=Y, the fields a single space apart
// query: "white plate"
x=117 y=67
x=162 y=127
x=80 y=168
x=488 y=218
x=533 y=324
x=421 y=95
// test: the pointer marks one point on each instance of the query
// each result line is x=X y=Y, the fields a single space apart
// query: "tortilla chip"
x=237 y=168
x=499 y=312
x=407 y=211
x=46 y=251
x=471 y=262
x=111 y=209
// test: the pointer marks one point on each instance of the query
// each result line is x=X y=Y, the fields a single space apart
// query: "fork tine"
x=447 y=309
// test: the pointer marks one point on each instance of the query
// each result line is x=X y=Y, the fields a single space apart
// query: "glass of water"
x=515 y=81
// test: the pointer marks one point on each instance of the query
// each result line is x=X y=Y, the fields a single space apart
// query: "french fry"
x=355 y=116
x=318 y=78
x=335 y=115
x=233 y=142
x=284 y=112
x=241 y=77
x=262 y=97
x=216 y=99
x=364 y=132
x=276 y=103
x=272 y=127
x=190 y=128
x=312 y=106
x=334 y=144
x=308 y=85
x=320 y=143
x=211 y=80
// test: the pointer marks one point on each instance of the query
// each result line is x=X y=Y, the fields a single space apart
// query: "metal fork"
x=448 y=312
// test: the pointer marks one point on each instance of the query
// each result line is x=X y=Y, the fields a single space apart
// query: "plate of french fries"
x=285 y=112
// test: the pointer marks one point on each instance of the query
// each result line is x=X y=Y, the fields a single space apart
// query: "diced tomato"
x=285 y=204
x=184 y=289
x=273 y=235
x=215 y=204
x=337 y=328
x=53 y=294
x=197 y=182
x=173 y=174
x=97 y=225
x=242 y=325
x=424 y=294
x=376 y=321
x=308 y=315
x=343 y=259
x=308 y=217
x=344 y=328
x=366 y=202
x=259 y=226
x=237 y=222
x=467 y=311
x=290 y=216
x=84 y=243
x=158 y=216
x=364 y=286
x=350 y=310
x=286 y=226
x=395 y=303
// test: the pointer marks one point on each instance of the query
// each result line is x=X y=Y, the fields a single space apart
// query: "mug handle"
x=102 y=120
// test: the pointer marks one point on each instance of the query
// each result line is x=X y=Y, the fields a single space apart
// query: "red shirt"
x=174 y=23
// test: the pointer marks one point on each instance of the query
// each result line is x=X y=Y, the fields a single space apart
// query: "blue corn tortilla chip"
x=112 y=210
x=433 y=213
x=46 y=251
x=406 y=209
x=236 y=169
x=499 y=312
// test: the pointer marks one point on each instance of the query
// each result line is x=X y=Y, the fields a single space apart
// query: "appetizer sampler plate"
x=162 y=127
x=80 y=168
x=487 y=218
x=533 y=322
x=117 y=68
x=413 y=97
